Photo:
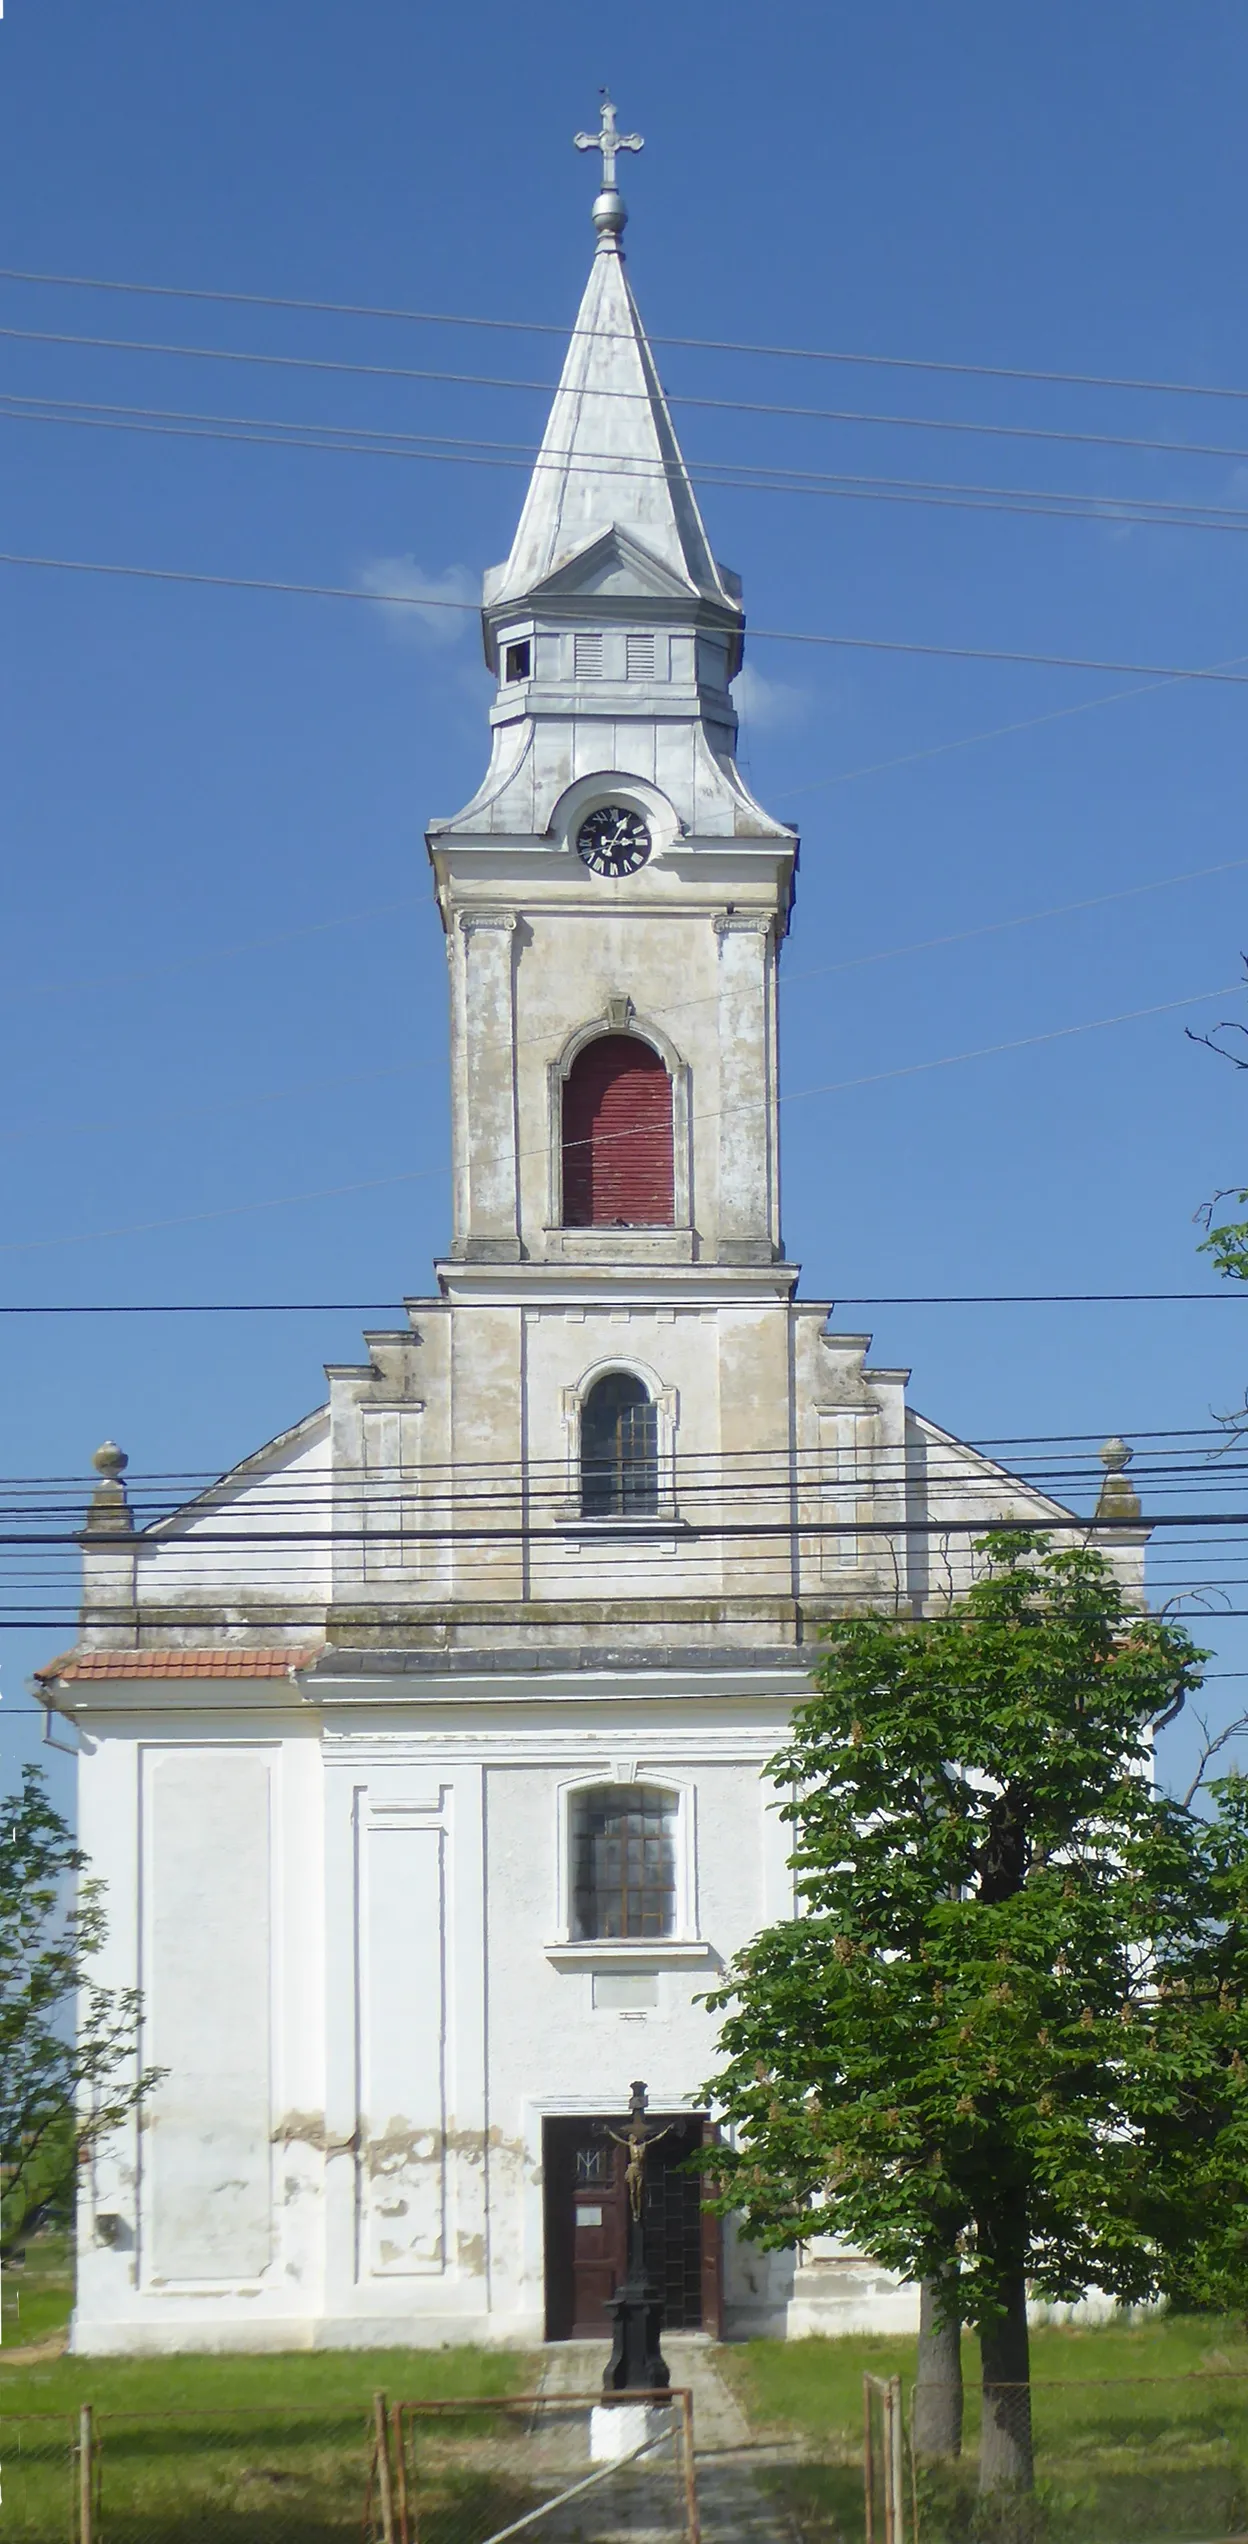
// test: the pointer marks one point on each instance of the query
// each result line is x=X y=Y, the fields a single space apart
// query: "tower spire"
x=610 y=212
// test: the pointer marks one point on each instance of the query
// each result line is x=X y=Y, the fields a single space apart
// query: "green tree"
x=1226 y=1241
x=974 y=2049
x=63 y=2086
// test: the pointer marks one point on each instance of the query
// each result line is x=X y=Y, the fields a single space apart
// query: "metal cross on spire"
x=608 y=141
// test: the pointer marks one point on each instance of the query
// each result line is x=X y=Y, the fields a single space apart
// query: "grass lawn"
x=36 y=2297
x=193 y=2450
x=1141 y=2431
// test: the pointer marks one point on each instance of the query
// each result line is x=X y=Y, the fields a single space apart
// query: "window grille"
x=619 y=1450
x=642 y=657
x=587 y=657
x=623 y=1862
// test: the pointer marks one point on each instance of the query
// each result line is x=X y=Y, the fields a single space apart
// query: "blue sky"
x=221 y=974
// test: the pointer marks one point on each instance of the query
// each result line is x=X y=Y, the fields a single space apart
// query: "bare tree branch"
x=1211 y=1743
x=1227 y=1025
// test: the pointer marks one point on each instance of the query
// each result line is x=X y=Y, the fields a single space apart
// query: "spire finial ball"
x=609 y=213
x=109 y=1459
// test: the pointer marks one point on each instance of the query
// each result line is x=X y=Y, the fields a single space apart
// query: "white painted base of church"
x=353 y=1940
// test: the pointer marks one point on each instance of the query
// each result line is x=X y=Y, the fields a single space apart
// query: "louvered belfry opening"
x=617 y=1136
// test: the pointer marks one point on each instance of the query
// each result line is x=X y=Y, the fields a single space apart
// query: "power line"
x=692 y=1532
x=523 y=453
x=765 y=635
x=697 y=344
x=925 y=1298
x=1028 y=502
x=791 y=1095
x=675 y=1007
x=428 y=375
x=194 y=1478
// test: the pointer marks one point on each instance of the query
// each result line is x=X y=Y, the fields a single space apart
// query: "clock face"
x=613 y=841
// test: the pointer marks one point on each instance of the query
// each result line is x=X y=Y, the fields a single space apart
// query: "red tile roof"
x=227 y=1661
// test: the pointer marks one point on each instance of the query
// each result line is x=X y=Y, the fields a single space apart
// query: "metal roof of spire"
x=609 y=456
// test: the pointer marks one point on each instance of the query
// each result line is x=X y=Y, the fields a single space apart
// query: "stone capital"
x=742 y=923
x=473 y=921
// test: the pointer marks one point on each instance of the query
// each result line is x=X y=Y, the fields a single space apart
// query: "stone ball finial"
x=1115 y=1456
x=110 y=1461
x=610 y=213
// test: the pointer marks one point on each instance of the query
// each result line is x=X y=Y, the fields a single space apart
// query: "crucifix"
x=636 y=2362
x=608 y=141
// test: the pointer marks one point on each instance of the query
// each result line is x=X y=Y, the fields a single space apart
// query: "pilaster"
x=748 y=1214
x=493 y=1230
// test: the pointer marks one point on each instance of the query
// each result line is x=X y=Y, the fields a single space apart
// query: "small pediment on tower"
x=612 y=561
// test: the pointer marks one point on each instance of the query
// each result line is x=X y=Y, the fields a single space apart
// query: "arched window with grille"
x=619 y=1449
x=617 y=1136
x=623 y=1862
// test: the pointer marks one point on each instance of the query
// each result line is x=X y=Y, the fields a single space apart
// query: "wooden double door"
x=587 y=2226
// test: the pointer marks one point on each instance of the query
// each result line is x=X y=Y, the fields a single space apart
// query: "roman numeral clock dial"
x=613 y=840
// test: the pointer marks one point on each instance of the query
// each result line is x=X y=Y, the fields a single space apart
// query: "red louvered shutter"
x=617 y=1137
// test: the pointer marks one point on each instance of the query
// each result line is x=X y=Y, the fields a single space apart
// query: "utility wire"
x=791 y=1095
x=766 y=635
x=1028 y=502
x=816 y=971
x=397 y=1307
x=523 y=454
x=697 y=344
x=549 y=389
x=675 y=1007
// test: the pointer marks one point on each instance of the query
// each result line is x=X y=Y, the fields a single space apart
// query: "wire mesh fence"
x=557 y=2469
x=232 y=2476
x=1084 y=2461
x=1076 y=2460
x=1114 y=2460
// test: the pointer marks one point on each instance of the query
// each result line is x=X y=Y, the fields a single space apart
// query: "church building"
x=422 y=1755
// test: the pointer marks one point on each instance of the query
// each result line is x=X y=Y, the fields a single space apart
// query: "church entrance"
x=587 y=2227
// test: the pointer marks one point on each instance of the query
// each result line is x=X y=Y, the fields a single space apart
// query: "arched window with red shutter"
x=617 y=1136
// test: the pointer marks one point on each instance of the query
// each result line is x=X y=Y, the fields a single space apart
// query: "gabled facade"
x=422 y=1755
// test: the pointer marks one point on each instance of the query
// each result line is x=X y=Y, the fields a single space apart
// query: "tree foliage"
x=1226 y=1242
x=63 y=2087
x=978 y=2051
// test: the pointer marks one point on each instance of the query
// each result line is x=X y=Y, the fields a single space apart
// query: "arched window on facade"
x=619 y=1449
x=623 y=1862
x=617 y=1136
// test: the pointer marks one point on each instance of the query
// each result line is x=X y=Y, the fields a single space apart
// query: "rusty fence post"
x=400 y=2465
x=886 y=2451
x=693 y=2521
x=897 y=2483
x=385 y=2484
x=868 y=2460
x=86 y=2473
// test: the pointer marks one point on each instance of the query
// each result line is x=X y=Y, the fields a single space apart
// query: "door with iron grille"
x=587 y=2227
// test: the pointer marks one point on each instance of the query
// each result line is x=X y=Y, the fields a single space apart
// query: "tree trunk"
x=938 y=2379
x=1005 y=2459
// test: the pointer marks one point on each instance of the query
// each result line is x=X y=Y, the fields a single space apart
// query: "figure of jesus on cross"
x=641 y=2136
x=636 y=2363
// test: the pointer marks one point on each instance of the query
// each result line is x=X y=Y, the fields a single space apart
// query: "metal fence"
x=1149 y=2459
x=265 y=2475
x=1115 y=2460
x=555 y=2469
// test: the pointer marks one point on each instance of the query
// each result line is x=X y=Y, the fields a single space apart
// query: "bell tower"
x=613 y=897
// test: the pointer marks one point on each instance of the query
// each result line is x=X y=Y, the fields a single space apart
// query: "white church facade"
x=422 y=1755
